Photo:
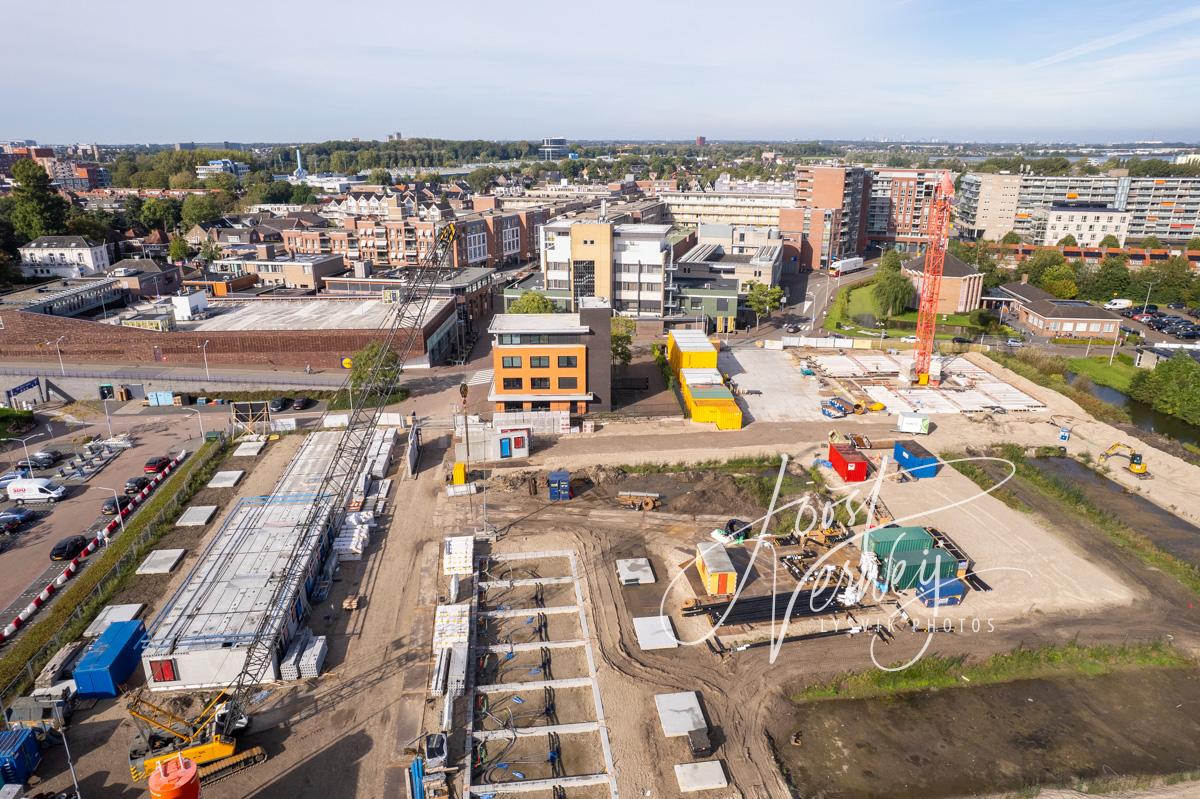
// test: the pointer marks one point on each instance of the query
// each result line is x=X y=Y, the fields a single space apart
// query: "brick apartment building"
x=898 y=211
x=829 y=219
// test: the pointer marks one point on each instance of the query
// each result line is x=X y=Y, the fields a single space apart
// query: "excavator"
x=210 y=738
x=1136 y=465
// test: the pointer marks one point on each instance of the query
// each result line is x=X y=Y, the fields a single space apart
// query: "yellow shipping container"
x=715 y=569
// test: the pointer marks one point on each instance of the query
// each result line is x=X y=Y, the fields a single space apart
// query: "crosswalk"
x=482 y=377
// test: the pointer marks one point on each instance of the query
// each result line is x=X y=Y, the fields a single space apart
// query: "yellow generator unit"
x=715 y=568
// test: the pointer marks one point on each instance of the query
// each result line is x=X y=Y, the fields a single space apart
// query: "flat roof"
x=537 y=323
x=303 y=314
x=228 y=593
x=679 y=713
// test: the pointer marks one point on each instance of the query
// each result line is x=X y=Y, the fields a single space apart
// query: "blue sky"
x=268 y=70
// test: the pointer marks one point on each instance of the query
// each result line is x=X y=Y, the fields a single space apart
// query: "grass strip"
x=984 y=480
x=1118 y=375
x=14 y=421
x=1047 y=371
x=193 y=474
x=936 y=671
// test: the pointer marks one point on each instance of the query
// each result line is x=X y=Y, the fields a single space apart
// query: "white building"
x=630 y=265
x=1088 y=224
x=222 y=165
x=63 y=256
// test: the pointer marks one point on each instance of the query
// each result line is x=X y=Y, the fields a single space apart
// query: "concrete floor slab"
x=161 y=561
x=196 y=516
x=635 y=571
x=249 y=449
x=679 y=713
x=706 y=775
x=110 y=613
x=655 y=632
x=786 y=394
x=227 y=479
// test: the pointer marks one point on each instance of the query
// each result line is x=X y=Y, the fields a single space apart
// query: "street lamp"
x=204 y=349
x=57 y=348
x=117 y=501
x=199 y=418
x=23 y=440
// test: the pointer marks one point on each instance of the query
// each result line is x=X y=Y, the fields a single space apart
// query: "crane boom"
x=931 y=283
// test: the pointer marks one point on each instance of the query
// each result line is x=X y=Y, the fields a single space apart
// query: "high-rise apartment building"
x=629 y=265
x=829 y=217
x=898 y=212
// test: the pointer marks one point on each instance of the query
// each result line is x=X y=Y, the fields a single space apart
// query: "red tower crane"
x=931 y=283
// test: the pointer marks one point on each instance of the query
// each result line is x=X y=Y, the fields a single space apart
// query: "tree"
x=182 y=180
x=1109 y=280
x=209 y=251
x=92 y=225
x=1037 y=264
x=1193 y=243
x=1067 y=241
x=178 y=249
x=1172 y=387
x=378 y=359
x=1110 y=241
x=532 y=302
x=890 y=262
x=380 y=176
x=131 y=211
x=199 y=208
x=1151 y=243
x=622 y=340
x=1011 y=237
x=302 y=195
x=36 y=210
x=762 y=299
x=223 y=181
x=892 y=293
x=159 y=212
x=1059 y=280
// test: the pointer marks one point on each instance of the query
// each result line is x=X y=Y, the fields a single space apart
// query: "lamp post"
x=107 y=418
x=204 y=350
x=199 y=419
x=117 y=501
x=23 y=440
x=62 y=369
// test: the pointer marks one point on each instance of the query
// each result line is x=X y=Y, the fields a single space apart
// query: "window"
x=567 y=361
x=539 y=383
x=511 y=361
x=568 y=383
x=539 y=406
x=513 y=384
x=723 y=305
x=539 y=362
x=514 y=407
x=163 y=671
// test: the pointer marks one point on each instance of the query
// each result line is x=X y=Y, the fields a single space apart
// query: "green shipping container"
x=884 y=541
x=917 y=568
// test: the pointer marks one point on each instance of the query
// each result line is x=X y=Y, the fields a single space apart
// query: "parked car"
x=1130 y=330
x=52 y=455
x=9 y=477
x=793 y=329
x=1142 y=317
x=909 y=339
x=35 y=489
x=114 y=505
x=134 y=485
x=1194 y=313
x=960 y=340
x=34 y=462
x=1176 y=306
x=1117 y=305
x=1015 y=342
x=299 y=403
x=278 y=404
x=68 y=548
x=156 y=465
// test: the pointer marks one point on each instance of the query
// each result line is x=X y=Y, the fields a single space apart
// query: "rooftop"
x=59 y=242
x=537 y=323
x=952 y=267
x=1069 y=309
x=303 y=314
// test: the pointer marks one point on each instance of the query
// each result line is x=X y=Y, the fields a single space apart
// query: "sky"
x=268 y=70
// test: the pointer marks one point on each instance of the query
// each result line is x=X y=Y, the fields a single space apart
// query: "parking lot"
x=26 y=553
x=1157 y=330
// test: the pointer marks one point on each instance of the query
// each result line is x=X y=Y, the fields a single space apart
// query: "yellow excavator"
x=1136 y=465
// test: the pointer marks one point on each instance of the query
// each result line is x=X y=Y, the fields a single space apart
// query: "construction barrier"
x=95 y=544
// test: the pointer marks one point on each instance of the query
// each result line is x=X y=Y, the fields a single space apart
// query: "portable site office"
x=202 y=636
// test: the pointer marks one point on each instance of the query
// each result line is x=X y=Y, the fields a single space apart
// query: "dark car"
x=8 y=525
x=156 y=465
x=52 y=455
x=1176 y=306
x=114 y=505
x=16 y=517
x=68 y=548
x=299 y=403
x=134 y=485
x=1128 y=329
x=278 y=404
x=960 y=340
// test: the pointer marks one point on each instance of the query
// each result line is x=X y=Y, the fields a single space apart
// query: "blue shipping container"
x=941 y=592
x=19 y=756
x=916 y=460
x=110 y=660
x=560 y=485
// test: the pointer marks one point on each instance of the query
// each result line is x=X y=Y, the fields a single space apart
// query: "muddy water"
x=1165 y=529
x=1141 y=414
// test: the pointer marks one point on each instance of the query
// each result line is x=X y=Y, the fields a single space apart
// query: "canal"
x=1140 y=414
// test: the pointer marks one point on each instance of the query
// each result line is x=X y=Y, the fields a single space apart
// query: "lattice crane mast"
x=931 y=283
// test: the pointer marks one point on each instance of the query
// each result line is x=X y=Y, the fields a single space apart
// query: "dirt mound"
x=601 y=474
x=513 y=481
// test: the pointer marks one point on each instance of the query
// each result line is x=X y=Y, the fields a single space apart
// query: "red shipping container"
x=849 y=463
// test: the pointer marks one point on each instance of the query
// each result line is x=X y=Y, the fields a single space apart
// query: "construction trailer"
x=202 y=637
x=715 y=568
x=915 y=460
x=850 y=464
x=690 y=349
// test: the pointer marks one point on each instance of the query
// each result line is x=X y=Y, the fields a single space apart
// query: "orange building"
x=552 y=362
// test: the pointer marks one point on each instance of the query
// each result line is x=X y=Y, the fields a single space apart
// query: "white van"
x=1118 y=305
x=35 y=489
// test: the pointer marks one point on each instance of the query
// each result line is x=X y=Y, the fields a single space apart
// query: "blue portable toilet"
x=559 y=483
x=110 y=660
x=20 y=755
x=916 y=460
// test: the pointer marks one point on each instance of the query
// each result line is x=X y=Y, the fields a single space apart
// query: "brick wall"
x=24 y=336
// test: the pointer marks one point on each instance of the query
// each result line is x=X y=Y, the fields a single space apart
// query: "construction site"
x=377 y=607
